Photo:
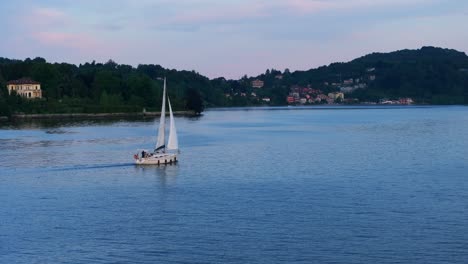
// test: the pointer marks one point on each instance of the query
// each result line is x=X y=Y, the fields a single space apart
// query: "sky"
x=227 y=38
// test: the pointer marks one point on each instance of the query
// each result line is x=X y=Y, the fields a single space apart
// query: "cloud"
x=45 y=18
x=305 y=6
x=109 y=26
x=76 y=41
x=190 y=17
x=312 y=6
x=55 y=29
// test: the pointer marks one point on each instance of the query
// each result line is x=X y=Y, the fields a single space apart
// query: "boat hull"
x=157 y=159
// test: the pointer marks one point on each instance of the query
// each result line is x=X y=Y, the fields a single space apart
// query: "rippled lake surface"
x=281 y=185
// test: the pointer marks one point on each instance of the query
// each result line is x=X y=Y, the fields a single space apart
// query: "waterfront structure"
x=405 y=101
x=25 y=87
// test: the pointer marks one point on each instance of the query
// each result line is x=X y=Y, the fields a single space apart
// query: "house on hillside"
x=25 y=87
x=257 y=83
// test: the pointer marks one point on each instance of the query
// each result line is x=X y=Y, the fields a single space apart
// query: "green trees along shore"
x=98 y=88
x=428 y=75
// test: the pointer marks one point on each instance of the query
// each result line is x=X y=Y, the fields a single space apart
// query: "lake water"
x=289 y=185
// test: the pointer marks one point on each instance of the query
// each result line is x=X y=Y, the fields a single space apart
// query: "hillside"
x=428 y=75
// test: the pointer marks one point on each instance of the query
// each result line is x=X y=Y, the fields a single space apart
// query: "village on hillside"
x=342 y=92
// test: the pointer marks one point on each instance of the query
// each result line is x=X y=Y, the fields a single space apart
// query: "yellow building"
x=25 y=87
x=336 y=95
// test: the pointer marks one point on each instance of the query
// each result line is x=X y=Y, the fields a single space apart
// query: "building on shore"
x=336 y=95
x=25 y=87
x=405 y=101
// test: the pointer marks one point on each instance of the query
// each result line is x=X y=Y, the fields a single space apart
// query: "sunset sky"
x=227 y=38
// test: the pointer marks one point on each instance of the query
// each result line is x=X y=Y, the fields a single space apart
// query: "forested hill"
x=428 y=75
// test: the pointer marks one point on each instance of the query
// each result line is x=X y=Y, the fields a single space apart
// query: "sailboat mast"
x=160 y=144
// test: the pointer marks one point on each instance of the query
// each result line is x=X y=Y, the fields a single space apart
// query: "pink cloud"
x=312 y=6
x=220 y=14
x=46 y=18
x=55 y=28
x=308 y=6
x=75 y=41
x=239 y=12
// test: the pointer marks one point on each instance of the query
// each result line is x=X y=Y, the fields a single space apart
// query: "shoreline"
x=90 y=115
x=16 y=117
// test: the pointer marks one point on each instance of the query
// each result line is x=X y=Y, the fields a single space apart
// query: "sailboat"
x=163 y=153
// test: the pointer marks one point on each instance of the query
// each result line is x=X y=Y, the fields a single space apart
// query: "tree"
x=105 y=81
x=194 y=100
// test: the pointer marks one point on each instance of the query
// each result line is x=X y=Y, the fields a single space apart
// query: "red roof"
x=23 y=81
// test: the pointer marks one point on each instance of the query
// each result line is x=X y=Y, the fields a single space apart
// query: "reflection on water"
x=166 y=174
x=69 y=122
x=370 y=185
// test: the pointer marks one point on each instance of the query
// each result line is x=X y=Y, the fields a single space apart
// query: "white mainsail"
x=162 y=122
x=172 y=143
x=160 y=156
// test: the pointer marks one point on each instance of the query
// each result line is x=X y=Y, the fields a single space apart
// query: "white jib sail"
x=162 y=121
x=173 y=143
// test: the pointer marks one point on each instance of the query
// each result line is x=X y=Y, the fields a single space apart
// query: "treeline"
x=428 y=75
x=97 y=87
